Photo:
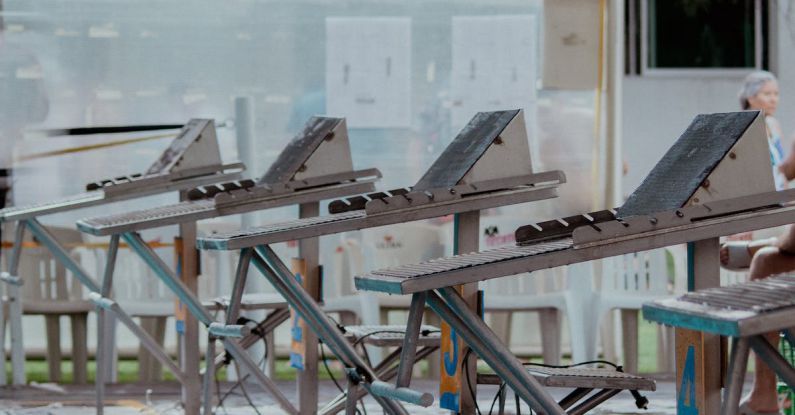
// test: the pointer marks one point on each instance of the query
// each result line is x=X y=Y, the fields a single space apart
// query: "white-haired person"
x=770 y=256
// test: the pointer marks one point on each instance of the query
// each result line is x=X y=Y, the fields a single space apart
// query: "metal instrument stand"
x=192 y=159
x=315 y=165
x=470 y=175
x=694 y=194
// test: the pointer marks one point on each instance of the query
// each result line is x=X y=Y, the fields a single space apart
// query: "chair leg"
x=500 y=323
x=607 y=334
x=149 y=369
x=629 y=338
x=3 y=314
x=270 y=361
x=143 y=355
x=665 y=347
x=79 y=347
x=434 y=359
x=54 y=357
x=160 y=336
x=111 y=355
x=550 y=335
x=582 y=330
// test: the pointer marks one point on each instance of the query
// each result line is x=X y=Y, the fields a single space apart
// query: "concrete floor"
x=50 y=399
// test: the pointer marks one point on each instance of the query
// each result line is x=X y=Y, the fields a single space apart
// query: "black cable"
x=589 y=362
x=221 y=399
x=366 y=354
x=114 y=129
x=218 y=395
x=369 y=363
x=337 y=323
x=328 y=369
x=245 y=393
x=240 y=380
x=641 y=401
x=360 y=339
x=499 y=392
x=518 y=403
x=422 y=333
x=469 y=384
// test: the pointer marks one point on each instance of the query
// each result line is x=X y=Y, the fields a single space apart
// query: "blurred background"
x=606 y=87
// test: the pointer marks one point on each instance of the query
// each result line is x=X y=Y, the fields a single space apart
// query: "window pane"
x=701 y=33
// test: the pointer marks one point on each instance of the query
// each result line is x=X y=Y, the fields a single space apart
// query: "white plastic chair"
x=141 y=294
x=628 y=281
x=546 y=292
x=51 y=291
x=381 y=247
x=342 y=259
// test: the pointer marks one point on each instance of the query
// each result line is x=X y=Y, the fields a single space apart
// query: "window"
x=705 y=36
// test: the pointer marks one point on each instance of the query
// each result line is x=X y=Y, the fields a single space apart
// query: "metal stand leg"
x=15 y=310
x=103 y=358
x=773 y=359
x=17 y=346
x=61 y=255
x=309 y=252
x=111 y=352
x=232 y=314
x=242 y=357
x=209 y=377
x=194 y=306
x=353 y=392
x=189 y=353
x=738 y=364
x=385 y=371
x=3 y=380
x=452 y=308
x=281 y=278
x=241 y=275
x=456 y=392
x=503 y=395
x=574 y=397
x=593 y=401
x=407 y=357
x=274 y=319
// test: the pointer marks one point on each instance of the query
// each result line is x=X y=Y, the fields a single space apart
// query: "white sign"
x=494 y=66
x=368 y=71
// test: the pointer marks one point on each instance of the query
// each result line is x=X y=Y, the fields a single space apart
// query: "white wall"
x=657 y=109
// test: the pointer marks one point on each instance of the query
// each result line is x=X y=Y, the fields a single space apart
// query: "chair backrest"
x=679 y=254
x=638 y=273
x=46 y=280
x=135 y=285
x=406 y=243
x=497 y=231
x=728 y=277
x=218 y=267
x=342 y=259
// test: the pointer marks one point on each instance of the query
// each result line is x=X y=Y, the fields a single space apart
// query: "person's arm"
x=786 y=241
x=787 y=166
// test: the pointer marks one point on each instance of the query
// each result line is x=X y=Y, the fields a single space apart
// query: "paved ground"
x=49 y=399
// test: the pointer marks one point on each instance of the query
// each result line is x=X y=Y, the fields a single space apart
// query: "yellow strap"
x=89 y=245
x=91 y=147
